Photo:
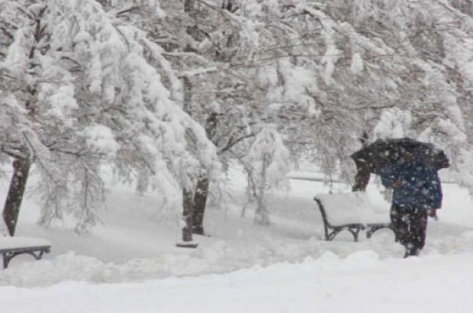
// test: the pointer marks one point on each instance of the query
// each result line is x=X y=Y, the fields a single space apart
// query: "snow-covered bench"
x=350 y=211
x=10 y=247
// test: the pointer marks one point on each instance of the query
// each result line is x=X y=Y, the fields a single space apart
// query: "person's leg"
x=410 y=227
x=418 y=230
x=400 y=225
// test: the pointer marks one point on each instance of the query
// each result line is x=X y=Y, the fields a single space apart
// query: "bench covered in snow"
x=350 y=211
x=10 y=247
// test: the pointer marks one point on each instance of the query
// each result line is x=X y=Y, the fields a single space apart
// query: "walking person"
x=417 y=193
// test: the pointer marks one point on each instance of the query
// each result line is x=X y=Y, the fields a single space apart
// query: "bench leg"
x=331 y=236
x=7 y=256
x=355 y=231
x=373 y=229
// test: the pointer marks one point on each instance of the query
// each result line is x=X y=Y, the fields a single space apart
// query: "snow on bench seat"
x=10 y=247
x=13 y=243
x=350 y=211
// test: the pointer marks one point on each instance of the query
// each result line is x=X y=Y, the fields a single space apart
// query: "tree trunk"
x=187 y=196
x=200 y=201
x=261 y=214
x=189 y=6
x=203 y=184
x=11 y=209
x=362 y=177
x=229 y=5
x=187 y=213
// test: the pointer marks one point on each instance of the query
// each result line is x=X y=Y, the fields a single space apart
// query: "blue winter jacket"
x=420 y=185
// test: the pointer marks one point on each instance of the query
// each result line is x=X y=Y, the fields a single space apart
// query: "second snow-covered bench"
x=10 y=247
x=350 y=211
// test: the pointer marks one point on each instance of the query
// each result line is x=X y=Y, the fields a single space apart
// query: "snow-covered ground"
x=129 y=263
x=359 y=283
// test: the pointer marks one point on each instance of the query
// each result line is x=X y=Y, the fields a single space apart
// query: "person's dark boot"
x=411 y=251
x=197 y=230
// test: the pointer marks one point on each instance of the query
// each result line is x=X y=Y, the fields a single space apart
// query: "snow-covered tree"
x=147 y=85
x=81 y=87
x=267 y=163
